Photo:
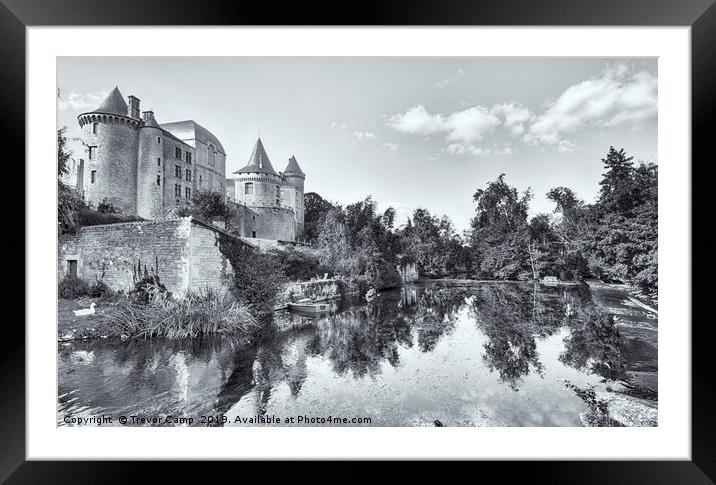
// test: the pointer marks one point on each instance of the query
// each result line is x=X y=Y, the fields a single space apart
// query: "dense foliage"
x=258 y=275
x=614 y=238
x=357 y=243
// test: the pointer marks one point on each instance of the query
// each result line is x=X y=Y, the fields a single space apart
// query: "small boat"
x=308 y=307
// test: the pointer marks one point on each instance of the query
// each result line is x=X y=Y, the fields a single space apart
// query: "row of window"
x=93 y=155
x=249 y=189
x=187 y=173
x=177 y=154
x=177 y=191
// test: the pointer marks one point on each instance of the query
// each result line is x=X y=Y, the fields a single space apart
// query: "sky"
x=410 y=132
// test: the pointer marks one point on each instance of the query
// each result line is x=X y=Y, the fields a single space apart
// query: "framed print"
x=432 y=232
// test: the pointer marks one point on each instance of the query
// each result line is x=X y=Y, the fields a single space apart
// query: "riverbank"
x=469 y=282
x=71 y=327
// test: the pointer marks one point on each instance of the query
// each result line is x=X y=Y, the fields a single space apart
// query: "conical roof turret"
x=114 y=103
x=293 y=168
x=259 y=161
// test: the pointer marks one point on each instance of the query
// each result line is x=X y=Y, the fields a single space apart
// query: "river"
x=491 y=354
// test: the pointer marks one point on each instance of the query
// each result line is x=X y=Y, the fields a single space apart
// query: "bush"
x=195 y=315
x=298 y=265
x=72 y=287
x=258 y=276
x=146 y=290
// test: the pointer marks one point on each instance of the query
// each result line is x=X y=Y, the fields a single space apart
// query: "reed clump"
x=198 y=313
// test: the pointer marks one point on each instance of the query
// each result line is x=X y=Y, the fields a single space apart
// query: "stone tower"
x=150 y=168
x=257 y=184
x=112 y=137
x=294 y=178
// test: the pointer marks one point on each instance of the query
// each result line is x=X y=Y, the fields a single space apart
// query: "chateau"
x=148 y=169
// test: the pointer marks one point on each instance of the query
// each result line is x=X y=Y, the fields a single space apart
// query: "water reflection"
x=408 y=353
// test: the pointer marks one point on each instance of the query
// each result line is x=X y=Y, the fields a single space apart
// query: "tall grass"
x=197 y=314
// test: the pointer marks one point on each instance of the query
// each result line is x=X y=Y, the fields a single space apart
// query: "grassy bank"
x=195 y=315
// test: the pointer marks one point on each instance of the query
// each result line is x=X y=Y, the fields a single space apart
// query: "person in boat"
x=313 y=298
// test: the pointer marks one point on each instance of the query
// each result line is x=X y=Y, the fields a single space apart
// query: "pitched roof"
x=293 y=167
x=190 y=131
x=114 y=103
x=152 y=122
x=259 y=161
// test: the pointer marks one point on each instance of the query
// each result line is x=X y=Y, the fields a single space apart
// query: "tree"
x=500 y=237
x=315 y=209
x=63 y=154
x=617 y=181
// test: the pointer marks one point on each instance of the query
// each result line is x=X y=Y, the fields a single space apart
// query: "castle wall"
x=209 y=268
x=115 y=163
x=150 y=165
x=183 y=253
x=264 y=192
x=209 y=177
x=263 y=222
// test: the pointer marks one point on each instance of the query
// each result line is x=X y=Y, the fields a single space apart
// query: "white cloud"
x=79 y=101
x=464 y=127
x=463 y=149
x=402 y=211
x=444 y=82
x=417 y=121
x=361 y=135
x=339 y=125
x=391 y=147
x=618 y=98
x=513 y=116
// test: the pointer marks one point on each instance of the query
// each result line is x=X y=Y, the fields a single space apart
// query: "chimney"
x=147 y=115
x=133 y=107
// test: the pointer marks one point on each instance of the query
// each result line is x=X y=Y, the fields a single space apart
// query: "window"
x=159 y=180
x=94 y=128
x=92 y=153
x=159 y=162
x=253 y=233
x=177 y=190
x=187 y=192
x=278 y=202
x=278 y=192
x=212 y=155
x=188 y=157
x=200 y=180
x=72 y=267
x=249 y=188
x=93 y=175
x=177 y=152
x=159 y=139
x=177 y=171
x=188 y=175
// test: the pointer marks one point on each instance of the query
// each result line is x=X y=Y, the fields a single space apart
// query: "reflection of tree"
x=511 y=316
x=435 y=314
x=594 y=344
x=361 y=338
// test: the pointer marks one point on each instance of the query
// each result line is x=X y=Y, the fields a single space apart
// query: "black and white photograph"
x=357 y=241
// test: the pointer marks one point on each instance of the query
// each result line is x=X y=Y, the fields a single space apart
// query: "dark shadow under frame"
x=15 y=15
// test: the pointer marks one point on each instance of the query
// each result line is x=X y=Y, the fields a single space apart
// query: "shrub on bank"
x=73 y=287
x=195 y=315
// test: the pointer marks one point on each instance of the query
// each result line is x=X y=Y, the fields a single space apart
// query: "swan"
x=85 y=311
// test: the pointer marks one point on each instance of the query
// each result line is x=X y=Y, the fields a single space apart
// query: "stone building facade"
x=183 y=252
x=148 y=169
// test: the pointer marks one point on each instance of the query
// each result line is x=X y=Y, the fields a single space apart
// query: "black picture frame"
x=700 y=15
